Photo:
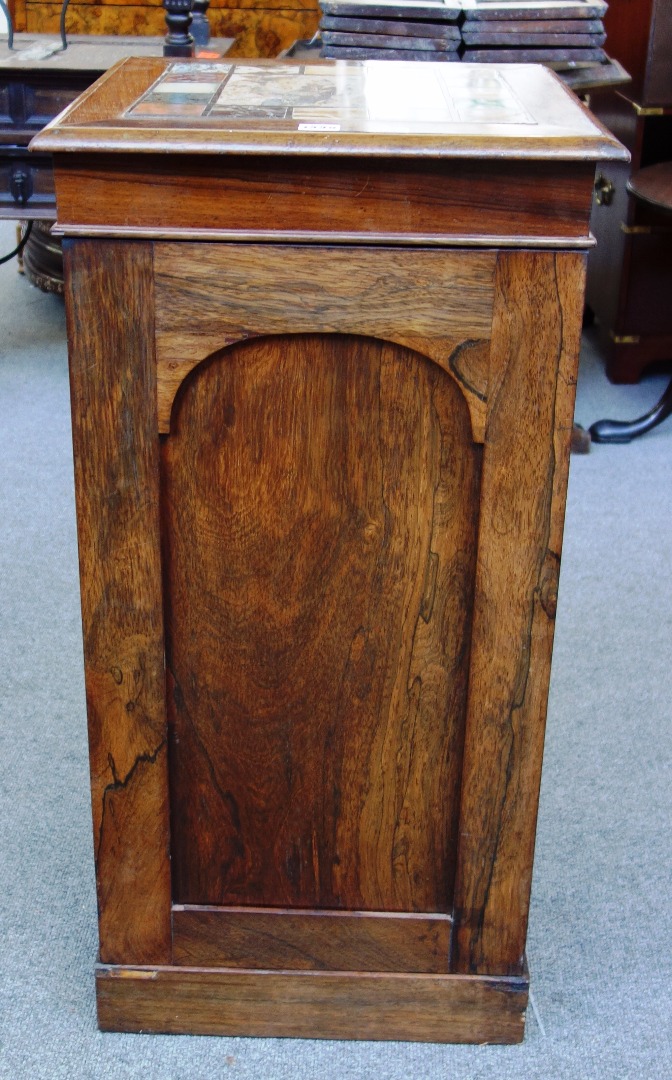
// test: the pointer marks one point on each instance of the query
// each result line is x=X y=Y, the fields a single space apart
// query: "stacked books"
x=390 y=30
x=555 y=32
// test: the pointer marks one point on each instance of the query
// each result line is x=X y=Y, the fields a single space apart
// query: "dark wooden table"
x=37 y=83
x=34 y=89
x=323 y=323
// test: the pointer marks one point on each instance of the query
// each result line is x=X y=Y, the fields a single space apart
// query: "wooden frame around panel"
x=521 y=403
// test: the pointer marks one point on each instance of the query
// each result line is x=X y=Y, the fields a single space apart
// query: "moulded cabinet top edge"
x=323 y=108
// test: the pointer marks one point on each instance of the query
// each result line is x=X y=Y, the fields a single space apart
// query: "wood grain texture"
x=310 y=940
x=628 y=26
x=17 y=10
x=536 y=330
x=535 y=26
x=388 y=41
x=264 y=32
x=347 y=52
x=313 y=1005
x=419 y=202
x=96 y=19
x=211 y=296
x=518 y=39
x=408 y=28
x=258 y=32
x=215 y=5
x=112 y=370
x=320 y=496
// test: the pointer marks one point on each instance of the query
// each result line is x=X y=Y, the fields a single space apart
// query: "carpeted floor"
x=600 y=941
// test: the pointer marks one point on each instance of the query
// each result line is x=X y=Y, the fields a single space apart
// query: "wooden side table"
x=324 y=321
x=652 y=187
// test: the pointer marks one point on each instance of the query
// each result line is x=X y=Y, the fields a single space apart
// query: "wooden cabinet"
x=630 y=272
x=323 y=335
x=259 y=29
x=639 y=34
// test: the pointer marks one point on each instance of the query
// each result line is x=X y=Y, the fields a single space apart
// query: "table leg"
x=623 y=431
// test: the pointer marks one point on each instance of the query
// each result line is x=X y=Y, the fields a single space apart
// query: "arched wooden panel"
x=319 y=499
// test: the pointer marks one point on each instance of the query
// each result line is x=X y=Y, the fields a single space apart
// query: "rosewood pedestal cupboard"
x=323 y=324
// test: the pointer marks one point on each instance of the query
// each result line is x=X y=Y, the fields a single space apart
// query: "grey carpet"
x=600 y=946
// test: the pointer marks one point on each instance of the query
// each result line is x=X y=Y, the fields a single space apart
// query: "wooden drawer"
x=29 y=100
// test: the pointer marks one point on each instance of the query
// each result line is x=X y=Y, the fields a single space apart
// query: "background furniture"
x=33 y=90
x=323 y=338
x=652 y=187
x=258 y=29
x=35 y=85
x=630 y=272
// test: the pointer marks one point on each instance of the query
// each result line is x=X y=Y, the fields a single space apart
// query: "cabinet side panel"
x=535 y=341
x=319 y=498
x=113 y=385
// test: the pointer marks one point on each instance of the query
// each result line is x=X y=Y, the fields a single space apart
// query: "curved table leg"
x=623 y=431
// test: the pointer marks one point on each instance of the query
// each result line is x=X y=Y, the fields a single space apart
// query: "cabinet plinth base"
x=312 y=1004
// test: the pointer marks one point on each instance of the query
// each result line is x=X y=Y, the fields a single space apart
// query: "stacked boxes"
x=554 y=32
x=390 y=30
x=561 y=33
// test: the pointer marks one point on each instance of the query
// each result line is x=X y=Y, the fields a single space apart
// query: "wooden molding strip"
x=310 y=939
x=312 y=1004
x=268 y=236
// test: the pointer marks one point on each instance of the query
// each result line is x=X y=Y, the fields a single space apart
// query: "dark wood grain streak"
x=113 y=386
x=320 y=495
x=313 y=1005
x=536 y=329
x=310 y=940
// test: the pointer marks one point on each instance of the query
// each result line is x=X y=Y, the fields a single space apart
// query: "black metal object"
x=20 y=185
x=64 y=40
x=10 y=25
x=624 y=431
x=20 y=246
x=640 y=186
x=179 y=41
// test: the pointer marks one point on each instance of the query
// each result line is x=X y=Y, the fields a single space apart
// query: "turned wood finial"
x=179 y=41
x=200 y=27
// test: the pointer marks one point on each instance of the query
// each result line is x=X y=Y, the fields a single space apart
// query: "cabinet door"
x=349 y=496
x=319 y=514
